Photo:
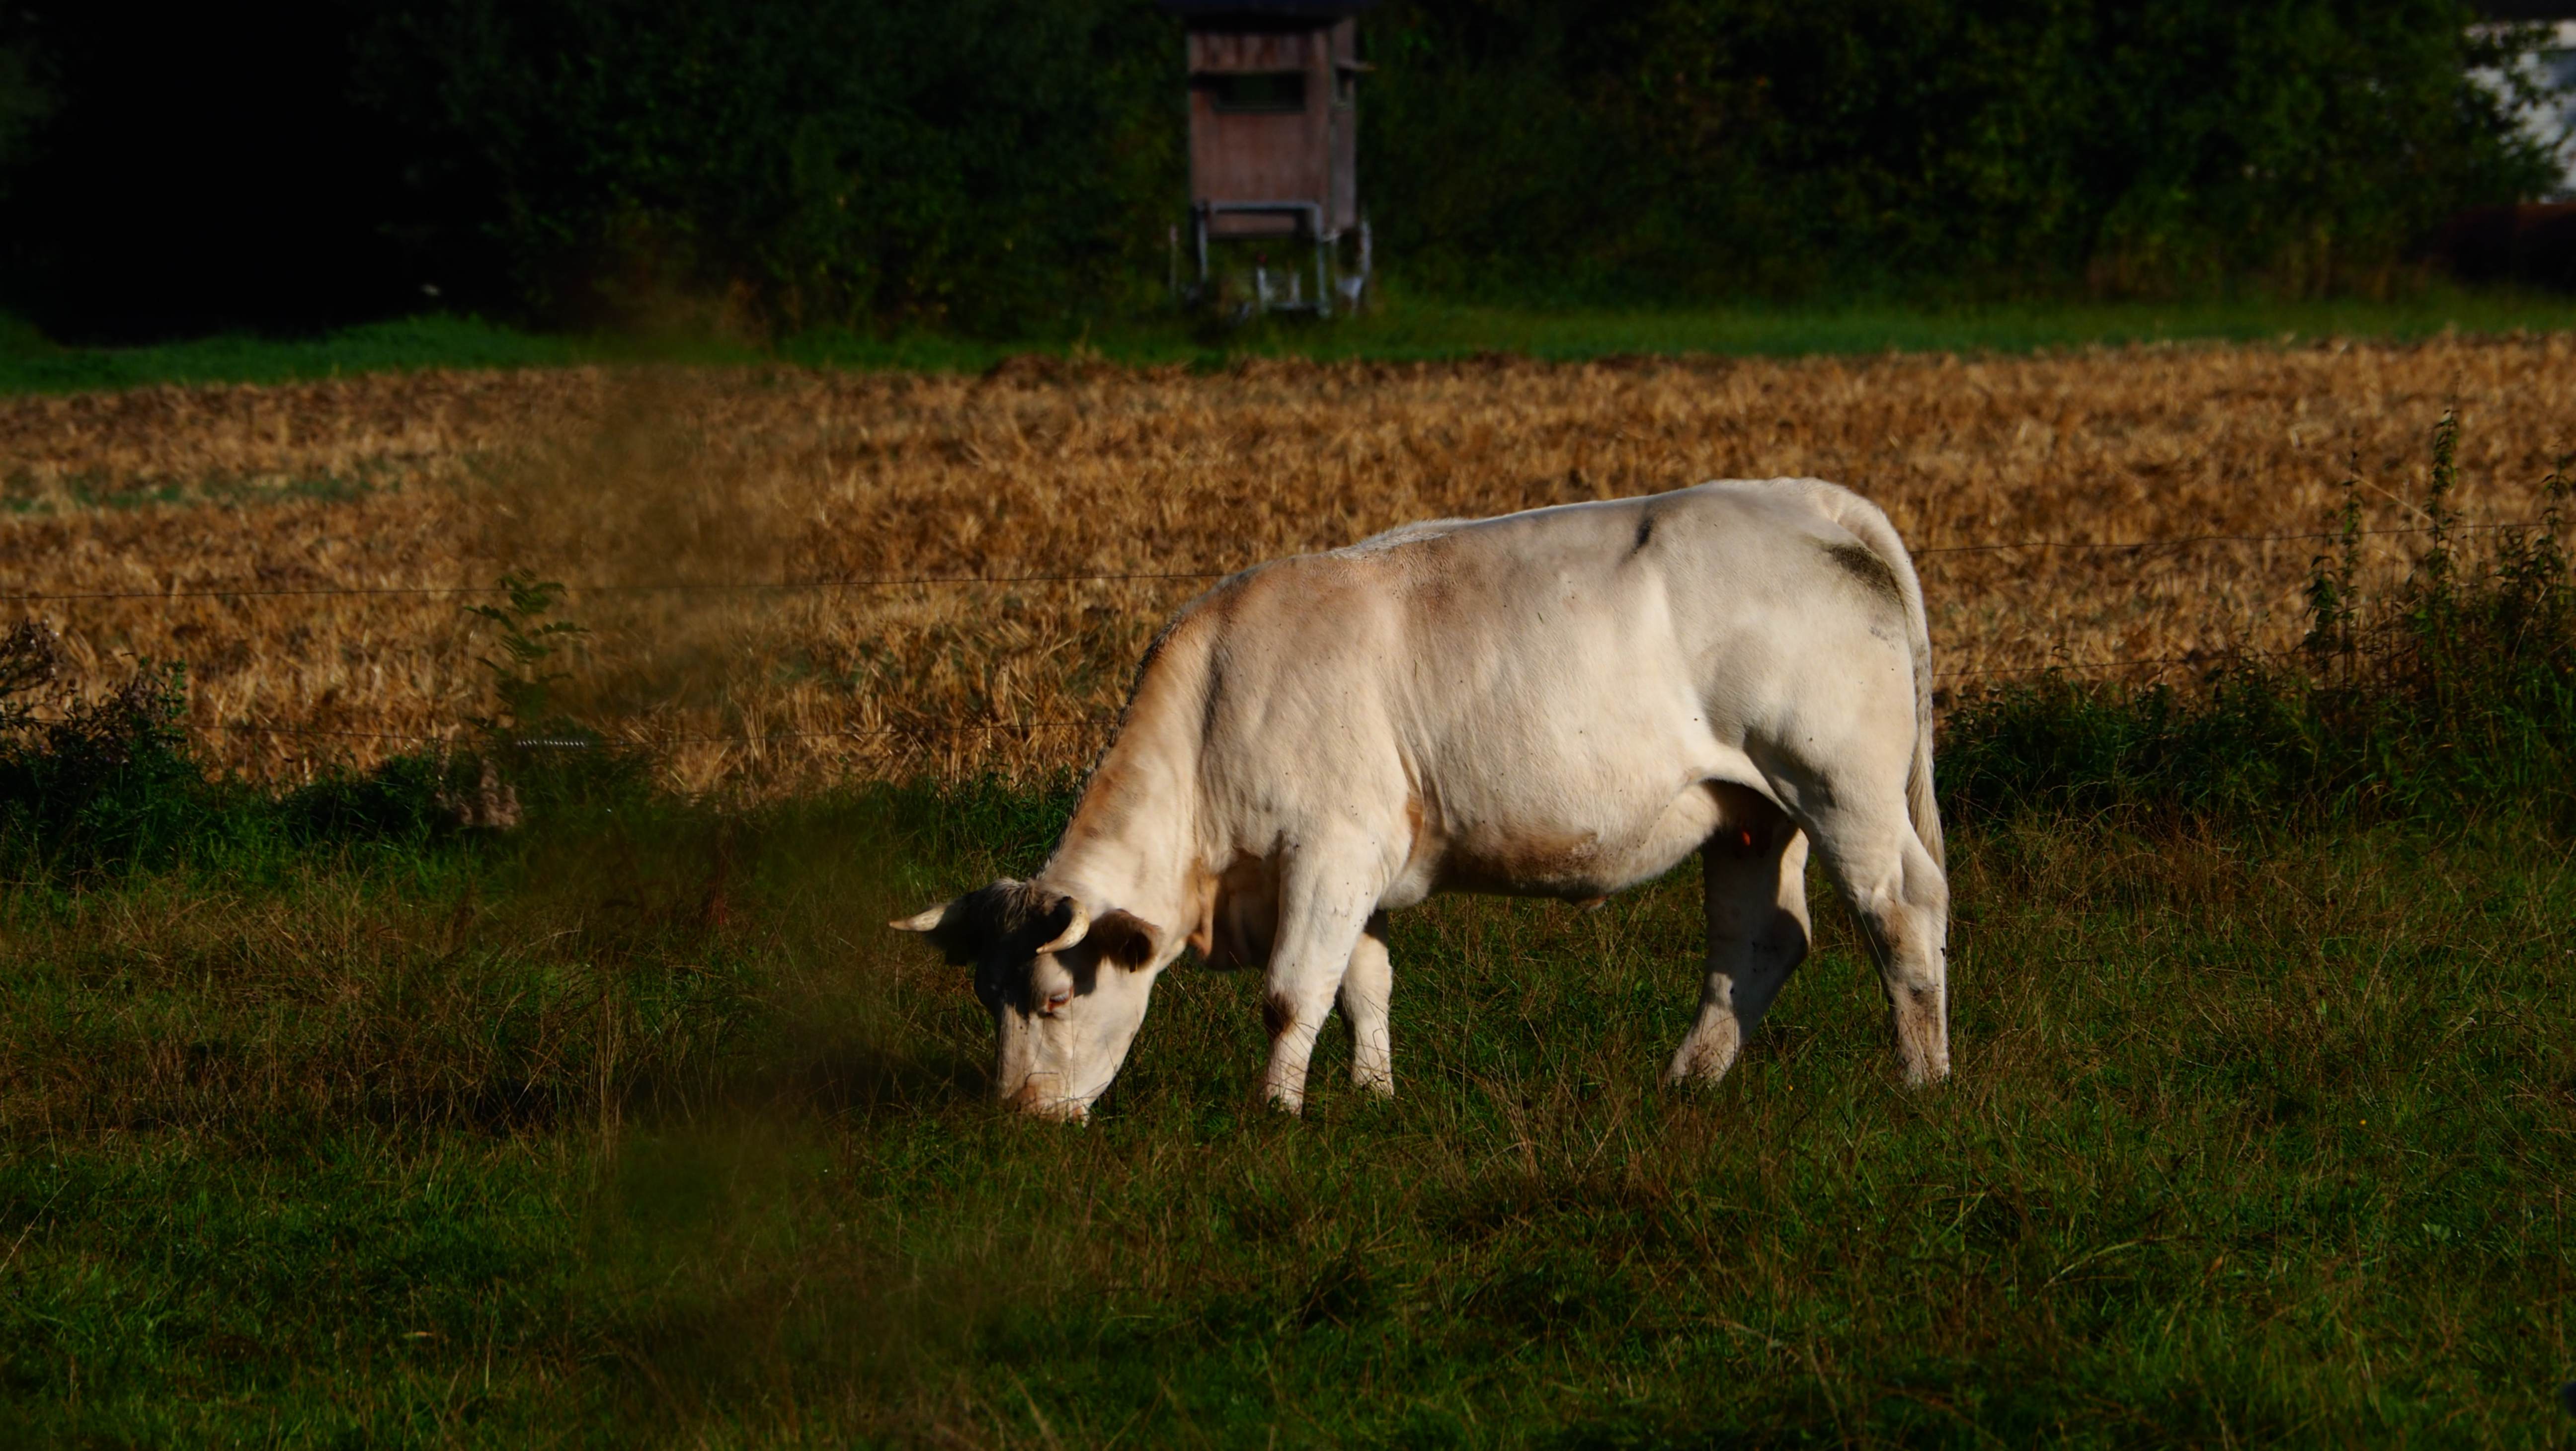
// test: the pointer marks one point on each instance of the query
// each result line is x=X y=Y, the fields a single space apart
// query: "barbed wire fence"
x=926 y=731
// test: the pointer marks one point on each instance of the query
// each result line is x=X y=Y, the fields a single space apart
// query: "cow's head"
x=1066 y=985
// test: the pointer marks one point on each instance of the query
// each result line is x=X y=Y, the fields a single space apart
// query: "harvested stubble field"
x=665 y=496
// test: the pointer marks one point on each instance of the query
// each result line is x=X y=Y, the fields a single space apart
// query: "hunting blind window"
x=1258 y=92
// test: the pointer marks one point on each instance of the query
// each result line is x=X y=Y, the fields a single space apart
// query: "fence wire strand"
x=649 y=741
x=910 y=581
x=682 y=587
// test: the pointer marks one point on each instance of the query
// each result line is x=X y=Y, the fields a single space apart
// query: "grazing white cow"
x=1557 y=703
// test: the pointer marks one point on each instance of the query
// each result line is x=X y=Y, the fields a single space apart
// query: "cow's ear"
x=1124 y=938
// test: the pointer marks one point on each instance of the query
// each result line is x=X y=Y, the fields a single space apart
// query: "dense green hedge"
x=1003 y=165
x=1978 y=145
x=823 y=163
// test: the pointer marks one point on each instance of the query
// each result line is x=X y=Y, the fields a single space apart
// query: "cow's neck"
x=1132 y=842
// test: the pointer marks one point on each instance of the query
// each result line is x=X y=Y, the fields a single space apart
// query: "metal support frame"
x=1310 y=216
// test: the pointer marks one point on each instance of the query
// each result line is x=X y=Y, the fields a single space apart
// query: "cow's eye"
x=1058 y=998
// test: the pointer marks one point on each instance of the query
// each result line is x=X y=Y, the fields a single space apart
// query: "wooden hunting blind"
x=1274 y=139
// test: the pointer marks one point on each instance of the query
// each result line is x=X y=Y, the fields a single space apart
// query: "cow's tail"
x=1867 y=524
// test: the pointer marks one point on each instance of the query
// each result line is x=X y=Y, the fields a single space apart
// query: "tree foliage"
x=994 y=165
x=817 y=161
x=1712 y=147
x=23 y=101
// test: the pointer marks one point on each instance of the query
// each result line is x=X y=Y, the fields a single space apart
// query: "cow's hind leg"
x=1753 y=876
x=1366 y=986
x=1910 y=937
x=1902 y=899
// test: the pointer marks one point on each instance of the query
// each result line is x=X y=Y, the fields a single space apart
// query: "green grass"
x=1403 y=329
x=1409 y=329
x=29 y=363
x=639 y=1128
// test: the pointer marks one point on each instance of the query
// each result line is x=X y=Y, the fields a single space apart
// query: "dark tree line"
x=1975 y=146
x=994 y=164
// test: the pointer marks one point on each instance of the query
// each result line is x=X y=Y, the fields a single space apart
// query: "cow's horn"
x=921 y=921
x=1074 y=930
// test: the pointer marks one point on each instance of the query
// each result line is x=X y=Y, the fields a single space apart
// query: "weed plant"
x=2453 y=694
x=112 y=785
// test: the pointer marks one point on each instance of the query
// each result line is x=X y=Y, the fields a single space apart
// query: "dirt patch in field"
x=691 y=511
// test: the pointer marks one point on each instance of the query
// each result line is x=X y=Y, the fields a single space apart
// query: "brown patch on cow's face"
x=1122 y=938
x=1278 y=1015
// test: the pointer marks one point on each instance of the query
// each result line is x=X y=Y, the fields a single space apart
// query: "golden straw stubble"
x=621 y=483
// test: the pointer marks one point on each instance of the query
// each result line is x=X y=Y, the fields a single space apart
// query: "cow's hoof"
x=1699 y=1070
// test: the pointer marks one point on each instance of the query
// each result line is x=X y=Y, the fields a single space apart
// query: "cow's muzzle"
x=1033 y=1097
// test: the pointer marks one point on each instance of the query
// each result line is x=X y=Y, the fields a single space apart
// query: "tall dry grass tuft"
x=716 y=480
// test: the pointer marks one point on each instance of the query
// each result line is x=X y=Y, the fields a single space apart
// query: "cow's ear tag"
x=1124 y=938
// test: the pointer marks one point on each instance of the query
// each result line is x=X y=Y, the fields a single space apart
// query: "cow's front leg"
x=1366 y=987
x=1754 y=883
x=1325 y=902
